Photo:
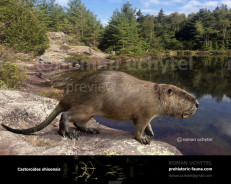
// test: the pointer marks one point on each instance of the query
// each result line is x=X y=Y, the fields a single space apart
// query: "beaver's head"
x=177 y=102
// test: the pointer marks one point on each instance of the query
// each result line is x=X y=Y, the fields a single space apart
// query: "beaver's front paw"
x=144 y=140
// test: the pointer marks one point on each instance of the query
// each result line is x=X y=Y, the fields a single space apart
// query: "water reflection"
x=209 y=80
x=198 y=75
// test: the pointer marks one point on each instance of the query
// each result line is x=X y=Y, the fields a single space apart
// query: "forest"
x=24 y=24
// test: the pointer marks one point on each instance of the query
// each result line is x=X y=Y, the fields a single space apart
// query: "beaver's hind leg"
x=82 y=127
x=64 y=129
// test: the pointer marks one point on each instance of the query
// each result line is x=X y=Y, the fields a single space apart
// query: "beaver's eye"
x=170 y=91
x=186 y=98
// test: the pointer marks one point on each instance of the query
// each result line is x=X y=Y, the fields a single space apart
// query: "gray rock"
x=54 y=48
x=58 y=37
x=44 y=59
x=65 y=46
x=24 y=55
x=23 y=110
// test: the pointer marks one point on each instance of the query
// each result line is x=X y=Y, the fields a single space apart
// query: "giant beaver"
x=118 y=96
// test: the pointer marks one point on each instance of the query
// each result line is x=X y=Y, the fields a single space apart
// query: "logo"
x=179 y=139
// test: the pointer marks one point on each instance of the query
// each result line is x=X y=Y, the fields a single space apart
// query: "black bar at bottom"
x=115 y=169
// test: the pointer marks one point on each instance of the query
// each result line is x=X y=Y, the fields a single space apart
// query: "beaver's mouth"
x=188 y=113
x=185 y=116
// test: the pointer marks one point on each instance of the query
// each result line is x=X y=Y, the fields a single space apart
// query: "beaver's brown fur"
x=118 y=96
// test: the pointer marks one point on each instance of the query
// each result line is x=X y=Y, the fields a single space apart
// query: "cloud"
x=226 y=2
x=211 y=3
x=154 y=12
x=194 y=6
x=62 y=2
x=115 y=1
x=182 y=6
x=190 y=5
x=148 y=3
x=178 y=1
x=150 y=11
x=104 y=22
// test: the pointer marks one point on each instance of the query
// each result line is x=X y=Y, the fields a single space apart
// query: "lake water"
x=208 y=79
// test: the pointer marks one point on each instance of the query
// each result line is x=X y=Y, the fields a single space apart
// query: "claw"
x=73 y=135
x=70 y=135
x=144 y=140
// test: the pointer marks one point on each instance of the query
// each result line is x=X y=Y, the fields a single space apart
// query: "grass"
x=201 y=53
x=11 y=76
x=7 y=53
x=52 y=93
x=156 y=54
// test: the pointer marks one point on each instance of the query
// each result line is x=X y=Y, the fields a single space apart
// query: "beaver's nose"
x=197 y=104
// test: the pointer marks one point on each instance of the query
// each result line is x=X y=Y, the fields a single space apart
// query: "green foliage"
x=23 y=31
x=77 y=59
x=24 y=23
x=155 y=54
x=3 y=85
x=113 y=57
x=207 y=30
x=84 y=23
x=204 y=30
x=121 y=34
x=52 y=15
x=11 y=76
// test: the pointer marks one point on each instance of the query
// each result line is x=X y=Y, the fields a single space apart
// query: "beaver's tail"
x=39 y=127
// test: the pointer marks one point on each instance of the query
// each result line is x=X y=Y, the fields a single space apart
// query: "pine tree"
x=161 y=17
x=51 y=14
x=147 y=30
x=23 y=30
x=121 y=35
x=66 y=26
x=93 y=30
x=86 y=27
x=77 y=12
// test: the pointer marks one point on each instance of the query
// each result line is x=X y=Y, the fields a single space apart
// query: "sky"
x=104 y=8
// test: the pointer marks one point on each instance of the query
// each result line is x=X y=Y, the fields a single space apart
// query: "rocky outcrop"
x=60 y=49
x=44 y=59
x=23 y=110
x=58 y=38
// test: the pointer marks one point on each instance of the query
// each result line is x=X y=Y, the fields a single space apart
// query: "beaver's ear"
x=156 y=88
